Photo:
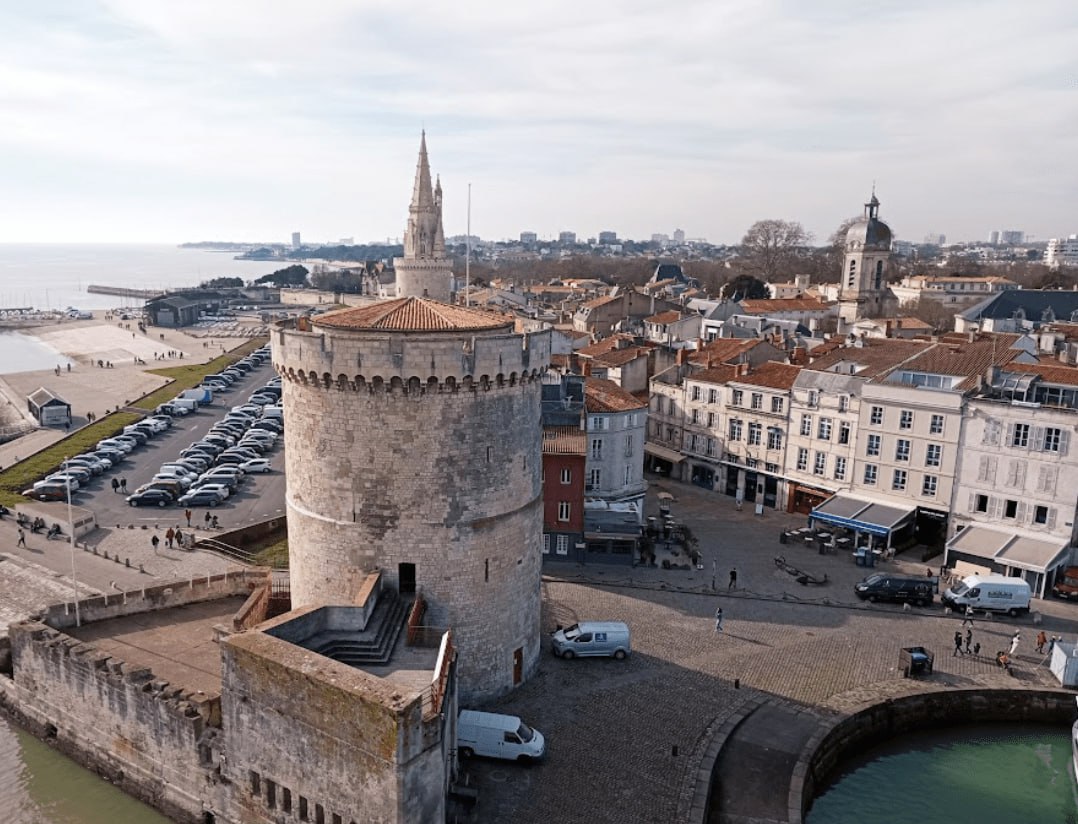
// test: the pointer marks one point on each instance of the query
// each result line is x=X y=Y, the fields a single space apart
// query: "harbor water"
x=991 y=774
x=40 y=786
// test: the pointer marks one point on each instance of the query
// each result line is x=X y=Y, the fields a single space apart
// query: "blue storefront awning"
x=861 y=515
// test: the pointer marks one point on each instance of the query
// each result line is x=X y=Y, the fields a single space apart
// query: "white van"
x=276 y=412
x=498 y=736
x=184 y=403
x=997 y=593
x=610 y=638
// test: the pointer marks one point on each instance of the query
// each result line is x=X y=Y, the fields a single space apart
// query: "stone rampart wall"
x=143 y=734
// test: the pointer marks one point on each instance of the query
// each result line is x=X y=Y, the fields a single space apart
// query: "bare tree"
x=939 y=316
x=772 y=248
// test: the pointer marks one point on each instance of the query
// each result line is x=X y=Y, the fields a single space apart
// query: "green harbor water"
x=992 y=774
x=40 y=786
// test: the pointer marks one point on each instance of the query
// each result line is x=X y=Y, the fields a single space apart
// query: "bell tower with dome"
x=863 y=290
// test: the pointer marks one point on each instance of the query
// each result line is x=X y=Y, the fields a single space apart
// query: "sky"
x=246 y=120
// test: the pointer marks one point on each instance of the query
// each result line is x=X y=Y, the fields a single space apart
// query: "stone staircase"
x=374 y=645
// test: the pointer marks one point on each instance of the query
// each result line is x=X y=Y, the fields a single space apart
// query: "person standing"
x=1042 y=639
x=733 y=579
x=179 y=538
x=718 y=620
x=154 y=541
x=969 y=640
x=22 y=539
x=957 y=643
x=123 y=485
x=115 y=485
x=1014 y=642
x=187 y=514
x=968 y=618
x=169 y=536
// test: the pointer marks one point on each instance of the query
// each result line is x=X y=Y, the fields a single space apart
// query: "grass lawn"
x=274 y=555
x=22 y=475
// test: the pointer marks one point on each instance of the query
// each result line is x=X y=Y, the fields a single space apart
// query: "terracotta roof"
x=764 y=307
x=564 y=440
x=716 y=374
x=601 y=395
x=1051 y=372
x=771 y=374
x=873 y=357
x=724 y=350
x=561 y=361
x=670 y=316
x=413 y=314
x=620 y=357
x=596 y=302
x=603 y=346
x=965 y=358
x=902 y=322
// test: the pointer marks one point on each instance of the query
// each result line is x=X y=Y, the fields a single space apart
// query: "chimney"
x=586 y=370
x=743 y=368
x=972 y=336
x=682 y=357
x=800 y=356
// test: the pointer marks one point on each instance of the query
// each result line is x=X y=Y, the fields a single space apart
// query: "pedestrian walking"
x=1042 y=639
x=213 y=522
x=968 y=617
x=187 y=514
x=22 y=539
x=718 y=620
x=169 y=536
x=155 y=541
x=969 y=639
x=957 y=643
x=207 y=519
x=733 y=579
x=977 y=648
x=1052 y=643
x=123 y=485
x=115 y=485
x=1014 y=642
x=179 y=538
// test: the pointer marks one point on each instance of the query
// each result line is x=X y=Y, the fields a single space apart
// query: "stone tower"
x=413 y=446
x=863 y=290
x=424 y=271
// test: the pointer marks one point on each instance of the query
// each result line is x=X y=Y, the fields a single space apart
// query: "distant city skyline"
x=146 y=121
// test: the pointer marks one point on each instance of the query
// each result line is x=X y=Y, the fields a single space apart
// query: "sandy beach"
x=90 y=388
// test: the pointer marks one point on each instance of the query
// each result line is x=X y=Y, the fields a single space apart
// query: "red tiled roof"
x=668 y=316
x=620 y=357
x=600 y=301
x=716 y=374
x=874 y=356
x=603 y=346
x=1051 y=372
x=724 y=350
x=564 y=440
x=413 y=314
x=964 y=357
x=601 y=395
x=763 y=307
x=772 y=374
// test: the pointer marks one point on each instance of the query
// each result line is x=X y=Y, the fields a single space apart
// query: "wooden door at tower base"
x=518 y=665
x=406 y=578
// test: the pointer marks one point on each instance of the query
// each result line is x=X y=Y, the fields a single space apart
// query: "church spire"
x=422 y=193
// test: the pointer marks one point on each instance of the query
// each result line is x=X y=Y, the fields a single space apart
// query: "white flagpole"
x=468 y=257
x=71 y=539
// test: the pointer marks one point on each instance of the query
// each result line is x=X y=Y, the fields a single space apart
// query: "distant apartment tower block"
x=608 y=238
x=528 y=238
x=296 y=242
x=1062 y=251
x=679 y=236
x=567 y=237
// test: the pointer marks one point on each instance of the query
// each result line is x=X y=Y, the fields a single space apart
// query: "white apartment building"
x=704 y=428
x=951 y=290
x=1062 y=251
x=1015 y=492
x=616 y=427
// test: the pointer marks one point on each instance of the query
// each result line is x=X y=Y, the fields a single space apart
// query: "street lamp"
x=71 y=539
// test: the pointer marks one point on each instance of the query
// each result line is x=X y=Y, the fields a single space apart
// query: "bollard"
x=737 y=683
x=673 y=751
x=140 y=569
x=116 y=557
x=105 y=554
x=127 y=562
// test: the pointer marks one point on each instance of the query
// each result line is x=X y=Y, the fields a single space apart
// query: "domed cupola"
x=869 y=233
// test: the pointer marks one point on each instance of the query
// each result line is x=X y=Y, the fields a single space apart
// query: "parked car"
x=208 y=446
x=498 y=736
x=244 y=452
x=897 y=588
x=201 y=497
x=107 y=453
x=589 y=638
x=164 y=421
x=184 y=481
x=256 y=465
x=169 y=485
x=47 y=492
x=137 y=435
x=222 y=488
x=1067 y=585
x=229 y=460
x=270 y=424
x=95 y=466
x=61 y=479
x=151 y=497
x=115 y=443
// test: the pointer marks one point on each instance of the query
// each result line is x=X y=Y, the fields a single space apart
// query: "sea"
x=55 y=276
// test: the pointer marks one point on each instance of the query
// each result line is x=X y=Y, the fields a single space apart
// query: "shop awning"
x=861 y=515
x=1009 y=549
x=662 y=452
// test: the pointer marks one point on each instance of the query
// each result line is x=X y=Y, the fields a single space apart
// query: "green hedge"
x=25 y=473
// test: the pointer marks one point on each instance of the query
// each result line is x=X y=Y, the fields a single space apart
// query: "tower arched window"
x=879 y=273
x=851 y=279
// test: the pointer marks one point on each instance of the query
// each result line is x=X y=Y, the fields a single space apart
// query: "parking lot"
x=260 y=497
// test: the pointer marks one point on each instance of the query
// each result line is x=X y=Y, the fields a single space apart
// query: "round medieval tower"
x=413 y=446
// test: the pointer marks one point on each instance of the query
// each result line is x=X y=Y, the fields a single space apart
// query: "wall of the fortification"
x=443 y=476
x=327 y=733
x=139 y=732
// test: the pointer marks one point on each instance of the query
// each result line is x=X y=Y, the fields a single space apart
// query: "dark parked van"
x=883 y=587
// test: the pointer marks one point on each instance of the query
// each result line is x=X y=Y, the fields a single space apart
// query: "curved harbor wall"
x=931 y=710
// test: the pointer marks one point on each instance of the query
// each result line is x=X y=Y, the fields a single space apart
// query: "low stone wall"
x=935 y=710
x=244 y=537
x=162 y=596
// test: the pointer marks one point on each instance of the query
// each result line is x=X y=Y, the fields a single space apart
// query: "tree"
x=221 y=283
x=773 y=248
x=294 y=275
x=745 y=287
x=939 y=316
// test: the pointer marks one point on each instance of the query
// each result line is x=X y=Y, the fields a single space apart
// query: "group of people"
x=119 y=485
x=104 y=364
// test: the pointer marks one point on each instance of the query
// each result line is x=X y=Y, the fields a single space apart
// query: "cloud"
x=247 y=119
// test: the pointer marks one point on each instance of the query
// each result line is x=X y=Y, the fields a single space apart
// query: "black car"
x=208 y=447
x=268 y=424
x=201 y=497
x=229 y=460
x=151 y=497
x=898 y=588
